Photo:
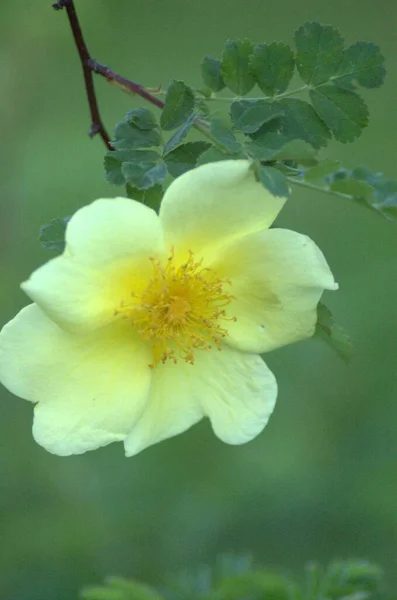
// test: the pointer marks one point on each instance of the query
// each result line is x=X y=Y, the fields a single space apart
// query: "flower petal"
x=236 y=391
x=108 y=245
x=171 y=408
x=278 y=277
x=214 y=204
x=91 y=389
x=111 y=229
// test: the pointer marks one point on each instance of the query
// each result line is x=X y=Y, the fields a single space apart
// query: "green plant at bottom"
x=235 y=578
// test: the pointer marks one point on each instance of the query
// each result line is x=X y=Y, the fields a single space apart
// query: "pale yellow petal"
x=171 y=409
x=91 y=389
x=214 y=204
x=109 y=243
x=113 y=229
x=236 y=391
x=278 y=276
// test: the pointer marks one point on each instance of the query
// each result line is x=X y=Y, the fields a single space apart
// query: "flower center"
x=181 y=309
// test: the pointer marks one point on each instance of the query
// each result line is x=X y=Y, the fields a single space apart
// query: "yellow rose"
x=147 y=323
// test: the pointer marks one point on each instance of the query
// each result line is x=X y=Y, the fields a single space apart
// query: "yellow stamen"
x=180 y=309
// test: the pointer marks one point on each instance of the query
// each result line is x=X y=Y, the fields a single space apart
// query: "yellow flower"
x=146 y=323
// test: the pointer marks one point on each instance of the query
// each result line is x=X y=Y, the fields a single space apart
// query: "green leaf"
x=212 y=155
x=142 y=118
x=211 y=73
x=319 y=52
x=343 y=111
x=295 y=150
x=115 y=158
x=301 y=121
x=134 y=590
x=249 y=115
x=324 y=168
x=102 y=593
x=202 y=108
x=184 y=157
x=261 y=151
x=224 y=136
x=331 y=333
x=266 y=144
x=235 y=67
x=354 y=580
x=117 y=588
x=52 y=234
x=113 y=172
x=352 y=187
x=272 y=66
x=373 y=189
x=127 y=135
x=206 y=93
x=145 y=174
x=272 y=179
x=180 y=134
x=362 y=64
x=387 y=207
x=151 y=197
x=260 y=585
x=179 y=105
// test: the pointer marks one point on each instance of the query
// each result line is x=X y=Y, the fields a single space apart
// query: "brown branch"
x=90 y=66
x=97 y=127
x=125 y=84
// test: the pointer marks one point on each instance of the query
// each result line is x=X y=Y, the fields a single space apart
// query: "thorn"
x=155 y=90
x=94 y=129
x=59 y=5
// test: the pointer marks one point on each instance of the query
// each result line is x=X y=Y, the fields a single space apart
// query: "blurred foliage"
x=235 y=578
x=321 y=480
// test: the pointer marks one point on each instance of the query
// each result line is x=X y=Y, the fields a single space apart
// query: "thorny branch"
x=90 y=66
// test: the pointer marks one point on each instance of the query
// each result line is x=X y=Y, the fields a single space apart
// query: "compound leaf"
x=271 y=178
x=363 y=65
x=211 y=73
x=184 y=157
x=224 y=136
x=352 y=187
x=301 y=121
x=115 y=159
x=128 y=135
x=319 y=52
x=151 y=197
x=180 y=134
x=343 y=111
x=179 y=105
x=331 y=333
x=324 y=168
x=52 y=234
x=249 y=115
x=272 y=65
x=145 y=174
x=142 y=118
x=213 y=154
x=235 y=68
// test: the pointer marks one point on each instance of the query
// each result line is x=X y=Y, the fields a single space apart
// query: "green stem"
x=292 y=92
x=276 y=97
x=205 y=130
x=318 y=188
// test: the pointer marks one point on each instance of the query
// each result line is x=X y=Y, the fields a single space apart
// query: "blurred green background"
x=321 y=481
